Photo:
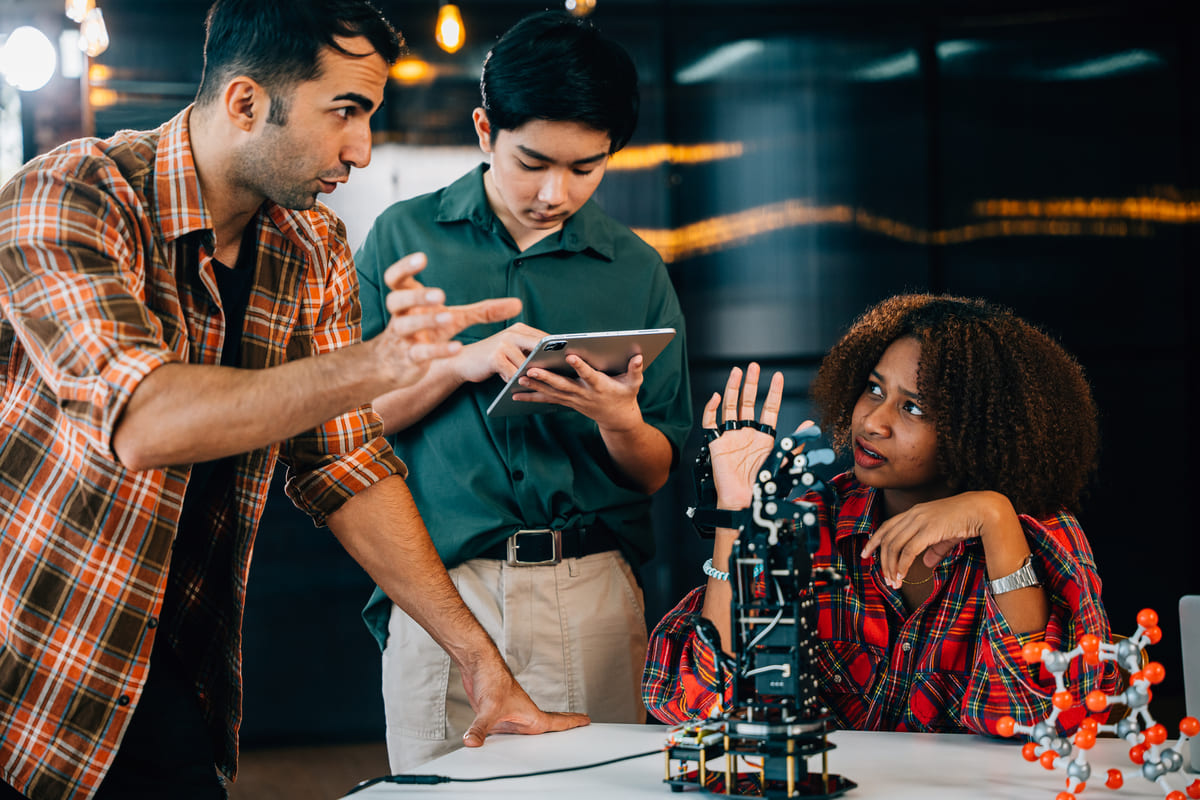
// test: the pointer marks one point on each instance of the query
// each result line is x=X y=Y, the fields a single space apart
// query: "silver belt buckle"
x=555 y=548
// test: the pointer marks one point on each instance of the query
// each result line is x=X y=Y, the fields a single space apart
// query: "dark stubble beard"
x=265 y=167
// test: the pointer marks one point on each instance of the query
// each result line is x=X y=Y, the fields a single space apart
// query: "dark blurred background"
x=795 y=163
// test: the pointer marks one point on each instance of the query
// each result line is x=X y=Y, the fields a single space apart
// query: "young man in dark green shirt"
x=558 y=101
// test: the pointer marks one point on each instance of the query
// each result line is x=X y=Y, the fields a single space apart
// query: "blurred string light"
x=581 y=8
x=1070 y=217
x=450 y=33
x=27 y=59
x=652 y=155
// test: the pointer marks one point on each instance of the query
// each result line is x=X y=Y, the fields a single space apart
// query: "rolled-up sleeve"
x=333 y=462
x=1003 y=683
x=72 y=285
x=681 y=679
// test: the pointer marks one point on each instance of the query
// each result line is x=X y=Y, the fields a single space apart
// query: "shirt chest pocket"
x=847 y=667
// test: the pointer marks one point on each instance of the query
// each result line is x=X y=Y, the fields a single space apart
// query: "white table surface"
x=896 y=766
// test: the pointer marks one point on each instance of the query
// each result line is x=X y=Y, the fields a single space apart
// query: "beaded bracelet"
x=713 y=572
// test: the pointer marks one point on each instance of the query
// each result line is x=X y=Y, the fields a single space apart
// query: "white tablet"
x=1189 y=630
x=607 y=351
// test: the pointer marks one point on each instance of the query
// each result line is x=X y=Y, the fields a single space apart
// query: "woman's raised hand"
x=741 y=442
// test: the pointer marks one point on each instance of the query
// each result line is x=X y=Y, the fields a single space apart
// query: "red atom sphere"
x=1085 y=740
x=1193 y=791
x=1029 y=751
x=1176 y=795
x=1090 y=724
x=1147 y=618
x=1156 y=734
x=1153 y=634
x=1154 y=672
x=1032 y=652
x=1063 y=700
x=1189 y=726
x=1005 y=726
x=1047 y=759
x=1137 y=753
x=1097 y=701
x=1115 y=779
x=1064 y=796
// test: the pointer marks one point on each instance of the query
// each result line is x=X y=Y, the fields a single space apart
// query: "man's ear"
x=483 y=129
x=245 y=101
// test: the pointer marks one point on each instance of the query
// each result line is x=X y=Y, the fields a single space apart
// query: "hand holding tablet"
x=606 y=351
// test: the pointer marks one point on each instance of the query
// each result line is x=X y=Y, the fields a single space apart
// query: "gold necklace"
x=917 y=583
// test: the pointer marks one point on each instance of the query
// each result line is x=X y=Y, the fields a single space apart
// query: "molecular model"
x=1138 y=728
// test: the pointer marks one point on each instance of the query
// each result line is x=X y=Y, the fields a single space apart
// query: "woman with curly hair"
x=973 y=435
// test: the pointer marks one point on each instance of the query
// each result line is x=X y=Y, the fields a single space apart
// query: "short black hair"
x=557 y=67
x=1012 y=409
x=278 y=44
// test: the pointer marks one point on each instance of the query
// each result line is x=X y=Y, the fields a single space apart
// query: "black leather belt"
x=533 y=547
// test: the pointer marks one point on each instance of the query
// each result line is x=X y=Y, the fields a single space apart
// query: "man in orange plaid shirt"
x=178 y=314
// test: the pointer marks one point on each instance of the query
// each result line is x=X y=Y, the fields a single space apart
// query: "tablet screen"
x=607 y=351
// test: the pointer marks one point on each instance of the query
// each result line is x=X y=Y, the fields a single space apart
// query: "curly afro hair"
x=1012 y=410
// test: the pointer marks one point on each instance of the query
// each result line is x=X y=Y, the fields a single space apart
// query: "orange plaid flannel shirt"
x=105 y=274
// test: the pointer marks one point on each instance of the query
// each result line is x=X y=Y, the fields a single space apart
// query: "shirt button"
x=837 y=678
x=518 y=475
x=520 y=262
x=123 y=700
x=152 y=622
x=906 y=646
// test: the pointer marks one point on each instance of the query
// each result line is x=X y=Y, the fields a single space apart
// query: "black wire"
x=431 y=779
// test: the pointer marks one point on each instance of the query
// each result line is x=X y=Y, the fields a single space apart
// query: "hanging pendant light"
x=450 y=32
x=93 y=35
x=581 y=8
x=76 y=10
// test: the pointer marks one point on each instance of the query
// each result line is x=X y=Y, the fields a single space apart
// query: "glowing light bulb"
x=411 y=70
x=581 y=8
x=93 y=35
x=78 y=9
x=450 y=33
x=28 y=59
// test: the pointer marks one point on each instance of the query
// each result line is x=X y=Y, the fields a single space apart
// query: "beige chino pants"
x=573 y=634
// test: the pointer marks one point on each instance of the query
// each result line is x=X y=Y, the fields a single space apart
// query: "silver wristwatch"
x=1026 y=575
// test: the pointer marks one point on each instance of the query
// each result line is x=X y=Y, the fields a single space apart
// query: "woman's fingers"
x=770 y=411
x=730 y=406
x=749 y=393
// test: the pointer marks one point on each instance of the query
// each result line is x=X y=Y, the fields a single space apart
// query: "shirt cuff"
x=322 y=491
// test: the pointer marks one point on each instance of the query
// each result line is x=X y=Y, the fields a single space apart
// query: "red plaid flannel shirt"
x=951 y=665
x=105 y=274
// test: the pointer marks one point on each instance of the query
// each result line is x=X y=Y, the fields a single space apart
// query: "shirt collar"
x=177 y=186
x=179 y=205
x=859 y=512
x=465 y=200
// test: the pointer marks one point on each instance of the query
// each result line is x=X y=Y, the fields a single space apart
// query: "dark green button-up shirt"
x=477 y=479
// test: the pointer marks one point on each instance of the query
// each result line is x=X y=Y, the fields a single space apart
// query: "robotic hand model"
x=775 y=721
